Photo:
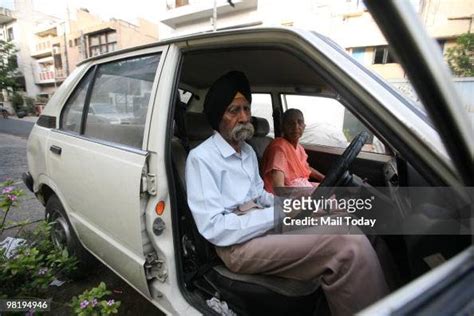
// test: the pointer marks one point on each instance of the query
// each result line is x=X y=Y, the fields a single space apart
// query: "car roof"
x=197 y=36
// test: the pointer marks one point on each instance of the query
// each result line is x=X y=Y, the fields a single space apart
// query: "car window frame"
x=335 y=149
x=101 y=60
x=431 y=79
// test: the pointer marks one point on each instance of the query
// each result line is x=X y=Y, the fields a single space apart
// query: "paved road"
x=13 y=162
x=17 y=127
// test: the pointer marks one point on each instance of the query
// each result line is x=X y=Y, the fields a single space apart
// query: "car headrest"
x=261 y=126
x=197 y=126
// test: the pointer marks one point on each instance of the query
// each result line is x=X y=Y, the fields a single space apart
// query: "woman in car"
x=285 y=160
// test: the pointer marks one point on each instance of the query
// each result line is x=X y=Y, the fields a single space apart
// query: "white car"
x=117 y=191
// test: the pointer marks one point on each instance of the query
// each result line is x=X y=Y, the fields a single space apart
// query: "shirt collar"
x=226 y=149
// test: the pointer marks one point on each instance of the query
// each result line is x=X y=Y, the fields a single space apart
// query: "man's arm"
x=214 y=222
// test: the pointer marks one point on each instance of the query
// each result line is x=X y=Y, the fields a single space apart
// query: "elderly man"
x=235 y=213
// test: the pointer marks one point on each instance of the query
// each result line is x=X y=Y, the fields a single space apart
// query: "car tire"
x=64 y=236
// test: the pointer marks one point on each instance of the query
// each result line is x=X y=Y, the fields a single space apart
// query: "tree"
x=8 y=66
x=461 y=57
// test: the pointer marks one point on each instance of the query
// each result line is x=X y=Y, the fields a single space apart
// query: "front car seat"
x=246 y=294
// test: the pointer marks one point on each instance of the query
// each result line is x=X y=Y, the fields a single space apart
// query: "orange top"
x=281 y=155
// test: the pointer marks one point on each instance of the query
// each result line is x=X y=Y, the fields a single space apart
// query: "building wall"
x=347 y=22
x=23 y=37
x=83 y=24
x=448 y=18
x=130 y=35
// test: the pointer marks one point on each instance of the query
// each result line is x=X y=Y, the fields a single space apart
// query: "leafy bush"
x=461 y=57
x=30 y=105
x=32 y=266
x=89 y=303
x=8 y=200
x=17 y=101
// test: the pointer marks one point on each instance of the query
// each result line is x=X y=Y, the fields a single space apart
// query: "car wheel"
x=63 y=236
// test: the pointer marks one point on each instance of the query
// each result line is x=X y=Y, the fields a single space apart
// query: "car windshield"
x=401 y=88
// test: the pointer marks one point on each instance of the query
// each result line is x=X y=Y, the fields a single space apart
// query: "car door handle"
x=55 y=149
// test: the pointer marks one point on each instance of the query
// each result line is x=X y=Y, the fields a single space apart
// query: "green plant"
x=42 y=99
x=33 y=266
x=461 y=57
x=90 y=302
x=30 y=105
x=8 y=199
x=29 y=269
x=17 y=101
x=8 y=66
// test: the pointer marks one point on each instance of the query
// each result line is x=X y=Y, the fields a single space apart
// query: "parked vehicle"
x=117 y=191
x=21 y=113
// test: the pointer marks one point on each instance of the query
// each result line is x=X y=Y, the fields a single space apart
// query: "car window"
x=262 y=107
x=72 y=113
x=329 y=123
x=119 y=100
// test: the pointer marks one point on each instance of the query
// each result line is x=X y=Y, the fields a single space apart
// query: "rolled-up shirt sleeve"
x=217 y=224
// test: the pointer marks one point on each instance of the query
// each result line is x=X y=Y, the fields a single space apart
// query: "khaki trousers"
x=346 y=265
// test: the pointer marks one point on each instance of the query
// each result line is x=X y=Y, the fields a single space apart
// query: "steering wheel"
x=338 y=174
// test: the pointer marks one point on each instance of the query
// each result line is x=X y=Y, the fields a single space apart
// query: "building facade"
x=346 y=21
x=49 y=48
x=88 y=35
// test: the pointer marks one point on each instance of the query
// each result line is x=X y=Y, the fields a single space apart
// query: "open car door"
x=447 y=289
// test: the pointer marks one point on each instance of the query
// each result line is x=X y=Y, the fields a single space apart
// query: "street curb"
x=31 y=119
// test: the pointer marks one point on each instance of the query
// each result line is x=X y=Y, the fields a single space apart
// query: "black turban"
x=221 y=94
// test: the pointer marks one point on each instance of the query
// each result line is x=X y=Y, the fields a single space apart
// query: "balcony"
x=45 y=77
x=46 y=30
x=42 y=49
x=6 y=16
x=204 y=10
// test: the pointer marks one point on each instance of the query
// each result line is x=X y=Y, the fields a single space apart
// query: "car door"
x=98 y=167
x=444 y=290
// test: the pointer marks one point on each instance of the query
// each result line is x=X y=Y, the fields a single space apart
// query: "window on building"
x=441 y=43
x=180 y=3
x=102 y=43
x=10 y=36
x=173 y=4
x=358 y=54
x=70 y=43
x=382 y=55
x=357 y=4
x=58 y=61
x=76 y=41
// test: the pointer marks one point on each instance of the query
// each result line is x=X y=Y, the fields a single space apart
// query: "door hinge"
x=155 y=268
x=149 y=183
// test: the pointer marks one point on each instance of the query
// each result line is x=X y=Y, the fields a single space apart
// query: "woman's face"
x=293 y=127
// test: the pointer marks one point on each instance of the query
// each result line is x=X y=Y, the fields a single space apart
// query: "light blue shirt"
x=218 y=180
